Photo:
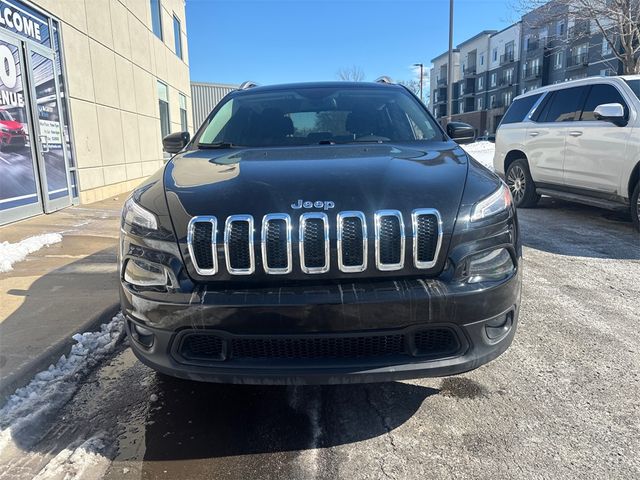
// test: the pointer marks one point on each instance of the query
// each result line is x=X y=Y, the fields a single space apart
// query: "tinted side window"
x=564 y=105
x=599 y=94
x=519 y=109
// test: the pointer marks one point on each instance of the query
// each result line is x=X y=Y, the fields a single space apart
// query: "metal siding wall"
x=204 y=97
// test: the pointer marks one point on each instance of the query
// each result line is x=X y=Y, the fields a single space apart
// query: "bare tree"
x=618 y=21
x=351 y=74
x=413 y=85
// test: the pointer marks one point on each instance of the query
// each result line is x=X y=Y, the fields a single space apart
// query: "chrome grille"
x=389 y=240
x=201 y=241
x=276 y=243
x=352 y=241
x=238 y=244
x=314 y=242
x=427 y=236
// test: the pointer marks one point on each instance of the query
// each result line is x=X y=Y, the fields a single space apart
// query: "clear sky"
x=276 y=41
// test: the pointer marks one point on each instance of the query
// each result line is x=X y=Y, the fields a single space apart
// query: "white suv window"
x=562 y=105
x=599 y=94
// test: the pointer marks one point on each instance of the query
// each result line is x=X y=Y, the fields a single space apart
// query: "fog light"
x=499 y=327
x=493 y=265
x=142 y=335
x=145 y=274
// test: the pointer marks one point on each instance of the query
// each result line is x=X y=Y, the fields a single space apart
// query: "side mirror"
x=174 y=142
x=610 y=112
x=461 y=132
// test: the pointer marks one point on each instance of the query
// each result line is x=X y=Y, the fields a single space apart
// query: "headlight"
x=493 y=265
x=4 y=128
x=495 y=203
x=145 y=274
x=134 y=214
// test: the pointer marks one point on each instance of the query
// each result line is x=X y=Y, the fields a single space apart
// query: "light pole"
x=450 y=64
x=421 y=77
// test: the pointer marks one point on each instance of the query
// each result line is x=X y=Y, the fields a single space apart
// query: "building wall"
x=113 y=62
x=205 y=96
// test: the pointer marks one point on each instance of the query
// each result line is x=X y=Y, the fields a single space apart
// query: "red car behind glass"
x=11 y=132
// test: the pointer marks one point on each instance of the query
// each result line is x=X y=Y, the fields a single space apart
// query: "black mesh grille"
x=314 y=254
x=202 y=347
x=427 y=237
x=318 y=347
x=436 y=342
x=238 y=244
x=276 y=244
x=202 y=244
x=352 y=250
x=390 y=240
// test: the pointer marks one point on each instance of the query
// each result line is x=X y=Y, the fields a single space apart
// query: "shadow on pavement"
x=572 y=229
x=201 y=420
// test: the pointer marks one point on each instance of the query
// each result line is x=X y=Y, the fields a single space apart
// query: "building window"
x=177 y=37
x=183 y=112
x=495 y=54
x=557 y=63
x=461 y=108
x=507 y=98
x=156 y=18
x=492 y=101
x=494 y=79
x=606 y=48
x=508 y=76
x=482 y=59
x=480 y=83
x=561 y=29
x=480 y=103
x=163 y=105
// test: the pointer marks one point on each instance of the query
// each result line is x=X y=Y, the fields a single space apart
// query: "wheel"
x=519 y=181
x=635 y=206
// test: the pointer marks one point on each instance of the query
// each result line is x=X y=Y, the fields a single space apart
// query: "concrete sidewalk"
x=60 y=290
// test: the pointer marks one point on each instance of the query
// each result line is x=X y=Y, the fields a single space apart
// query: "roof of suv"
x=334 y=84
x=576 y=83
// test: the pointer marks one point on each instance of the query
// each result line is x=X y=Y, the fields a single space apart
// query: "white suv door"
x=595 y=151
x=546 y=135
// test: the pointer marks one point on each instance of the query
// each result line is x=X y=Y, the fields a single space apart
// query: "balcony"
x=533 y=46
x=442 y=82
x=505 y=81
x=578 y=61
x=532 y=72
x=506 y=58
x=579 y=31
x=469 y=70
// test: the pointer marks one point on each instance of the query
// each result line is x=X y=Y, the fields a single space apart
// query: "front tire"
x=635 y=206
x=521 y=185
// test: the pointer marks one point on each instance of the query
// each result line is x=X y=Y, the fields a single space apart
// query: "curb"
x=9 y=384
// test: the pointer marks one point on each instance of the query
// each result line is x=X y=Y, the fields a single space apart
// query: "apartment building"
x=439 y=83
x=546 y=46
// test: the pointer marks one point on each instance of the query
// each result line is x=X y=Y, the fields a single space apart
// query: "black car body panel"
x=335 y=326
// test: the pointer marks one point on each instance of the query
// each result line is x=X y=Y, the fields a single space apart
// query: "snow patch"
x=81 y=460
x=483 y=152
x=26 y=413
x=11 y=253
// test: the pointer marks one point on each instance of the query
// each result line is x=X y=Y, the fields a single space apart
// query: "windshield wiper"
x=217 y=145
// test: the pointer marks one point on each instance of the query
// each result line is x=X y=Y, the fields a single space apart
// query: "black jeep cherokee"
x=320 y=233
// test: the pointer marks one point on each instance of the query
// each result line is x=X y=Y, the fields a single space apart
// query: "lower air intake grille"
x=202 y=244
x=436 y=342
x=202 y=347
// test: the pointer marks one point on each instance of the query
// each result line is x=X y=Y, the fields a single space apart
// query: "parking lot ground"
x=562 y=403
x=58 y=290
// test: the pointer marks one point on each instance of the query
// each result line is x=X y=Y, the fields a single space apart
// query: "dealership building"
x=87 y=91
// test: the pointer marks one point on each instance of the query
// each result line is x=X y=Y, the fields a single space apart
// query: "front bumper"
x=328 y=316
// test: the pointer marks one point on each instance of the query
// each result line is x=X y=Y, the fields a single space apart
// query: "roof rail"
x=385 y=79
x=247 y=84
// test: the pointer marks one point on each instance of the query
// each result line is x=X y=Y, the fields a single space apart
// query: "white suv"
x=578 y=141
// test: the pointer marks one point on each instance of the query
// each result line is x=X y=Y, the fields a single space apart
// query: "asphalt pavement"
x=562 y=402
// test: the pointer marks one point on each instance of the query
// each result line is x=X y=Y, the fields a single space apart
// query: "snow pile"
x=482 y=151
x=11 y=253
x=81 y=460
x=32 y=407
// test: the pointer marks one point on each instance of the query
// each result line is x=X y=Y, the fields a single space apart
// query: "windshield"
x=320 y=115
x=635 y=86
x=5 y=116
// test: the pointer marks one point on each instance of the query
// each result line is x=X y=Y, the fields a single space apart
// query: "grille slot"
x=427 y=237
x=202 y=347
x=352 y=241
x=436 y=342
x=238 y=244
x=389 y=240
x=201 y=242
x=276 y=243
x=314 y=242
x=317 y=347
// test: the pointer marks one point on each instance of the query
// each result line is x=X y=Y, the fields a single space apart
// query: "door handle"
x=575 y=133
x=45 y=144
x=534 y=134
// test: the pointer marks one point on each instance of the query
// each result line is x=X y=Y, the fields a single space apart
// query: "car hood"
x=348 y=177
x=10 y=124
